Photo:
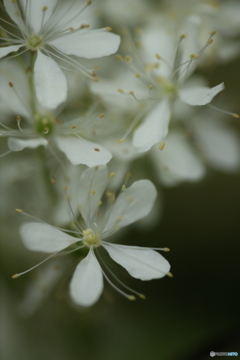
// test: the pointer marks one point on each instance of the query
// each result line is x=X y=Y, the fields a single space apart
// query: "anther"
x=142 y=296
x=100 y=203
x=19 y=211
x=93 y=192
x=236 y=116
x=137 y=75
x=108 y=28
x=15 y=276
x=96 y=149
x=64 y=188
x=158 y=56
x=101 y=116
x=119 y=57
x=73 y=126
x=132 y=297
x=53 y=181
x=96 y=67
x=162 y=145
x=128 y=58
x=84 y=26
x=44 y=8
x=121 y=141
x=182 y=36
x=111 y=174
x=123 y=188
x=169 y=274
x=150 y=87
x=194 y=56
x=18 y=118
x=89 y=2
x=166 y=249
x=10 y=84
x=210 y=41
x=121 y=91
x=213 y=33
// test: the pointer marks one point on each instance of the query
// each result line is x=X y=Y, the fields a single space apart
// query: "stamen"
x=236 y=116
x=162 y=145
x=78 y=226
x=141 y=296
x=6 y=153
x=25 y=105
x=20 y=211
x=128 y=296
x=35 y=266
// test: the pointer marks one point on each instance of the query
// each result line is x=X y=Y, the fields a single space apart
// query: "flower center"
x=90 y=238
x=168 y=87
x=35 y=42
x=44 y=124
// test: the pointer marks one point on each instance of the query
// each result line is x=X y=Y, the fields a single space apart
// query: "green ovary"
x=35 y=42
x=44 y=124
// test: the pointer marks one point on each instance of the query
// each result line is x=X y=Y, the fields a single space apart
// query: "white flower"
x=163 y=70
x=41 y=127
x=47 y=28
x=131 y=205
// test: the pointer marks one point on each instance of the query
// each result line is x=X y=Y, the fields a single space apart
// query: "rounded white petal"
x=92 y=184
x=154 y=128
x=45 y=238
x=88 y=44
x=200 y=95
x=178 y=161
x=8 y=49
x=219 y=144
x=16 y=144
x=80 y=151
x=143 y=264
x=132 y=204
x=14 y=100
x=87 y=282
x=50 y=82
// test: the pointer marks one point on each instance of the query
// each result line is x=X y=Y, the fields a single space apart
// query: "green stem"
x=50 y=189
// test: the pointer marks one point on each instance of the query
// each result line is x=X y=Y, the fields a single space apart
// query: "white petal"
x=43 y=237
x=15 y=15
x=178 y=161
x=80 y=151
x=219 y=144
x=132 y=205
x=35 y=15
x=144 y=264
x=92 y=184
x=17 y=100
x=88 y=44
x=154 y=128
x=16 y=144
x=200 y=95
x=87 y=282
x=50 y=82
x=8 y=49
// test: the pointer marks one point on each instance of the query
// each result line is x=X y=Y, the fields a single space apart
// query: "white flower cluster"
x=70 y=109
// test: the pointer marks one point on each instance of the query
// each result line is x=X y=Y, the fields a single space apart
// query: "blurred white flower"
x=162 y=68
x=54 y=30
x=131 y=205
x=42 y=127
